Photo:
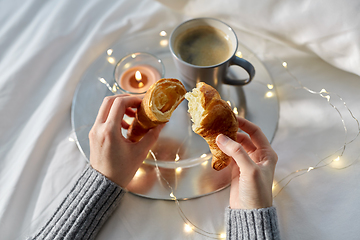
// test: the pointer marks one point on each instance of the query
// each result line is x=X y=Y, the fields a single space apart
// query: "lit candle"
x=139 y=79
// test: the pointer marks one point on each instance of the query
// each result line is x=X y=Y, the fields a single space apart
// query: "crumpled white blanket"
x=46 y=47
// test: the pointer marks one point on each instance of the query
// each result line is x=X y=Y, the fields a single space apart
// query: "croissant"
x=158 y=104
x=211 y=116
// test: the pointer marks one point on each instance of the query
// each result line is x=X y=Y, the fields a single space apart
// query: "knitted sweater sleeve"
x=259 y=224
x=85 y=209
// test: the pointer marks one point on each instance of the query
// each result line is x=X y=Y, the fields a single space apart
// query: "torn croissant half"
x=211 y=116
x=157 y=106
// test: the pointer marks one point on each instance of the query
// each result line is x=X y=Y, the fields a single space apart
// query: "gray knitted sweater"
x=94 y=198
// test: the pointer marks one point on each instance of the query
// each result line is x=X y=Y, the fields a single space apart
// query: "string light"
x=188 y=224
x=109 y=52
x=112 y=88
x=324 y=94
x=269 y=94
x=102 y=80
x=111 y=60
x=187 y=228
x=164 y=42
x=236 y=111
x=163 y=33
x=239 y=54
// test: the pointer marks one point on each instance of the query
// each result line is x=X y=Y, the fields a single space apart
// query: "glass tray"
x=182 y=167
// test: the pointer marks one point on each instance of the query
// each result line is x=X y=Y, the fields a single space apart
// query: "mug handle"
x=247 y=66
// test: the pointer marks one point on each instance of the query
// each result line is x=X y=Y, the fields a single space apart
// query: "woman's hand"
x=253 y=173
x=111 y=153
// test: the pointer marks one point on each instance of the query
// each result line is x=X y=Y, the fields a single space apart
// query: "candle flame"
x=138 y=76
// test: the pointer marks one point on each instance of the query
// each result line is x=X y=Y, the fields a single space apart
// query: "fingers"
x=120 y=106
x=106 y=106
x=257 y=136
x=236 y=151
x=124 y=124
x=104 y=109
x=130 y=112
x=246 y=142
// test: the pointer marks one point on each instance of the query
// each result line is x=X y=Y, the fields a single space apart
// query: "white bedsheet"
x=46 y=46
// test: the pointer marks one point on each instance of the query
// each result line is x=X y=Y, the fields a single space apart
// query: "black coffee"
x=203 y=46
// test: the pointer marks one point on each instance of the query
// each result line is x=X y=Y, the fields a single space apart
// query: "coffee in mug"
x=203 y=49
x=203 y=46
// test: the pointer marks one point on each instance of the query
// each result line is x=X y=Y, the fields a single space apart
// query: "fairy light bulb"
x=109 y=51
x=111 y=60
x=164 y=42
x=187 y=228
x=114 y=88
x=239 y=54
x=269 y=94
x=111 y=88
x=172 y=196
x=102 y=80
x=235 y=111
x=178 y=170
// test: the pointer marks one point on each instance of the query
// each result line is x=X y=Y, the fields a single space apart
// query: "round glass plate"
x=180 y=162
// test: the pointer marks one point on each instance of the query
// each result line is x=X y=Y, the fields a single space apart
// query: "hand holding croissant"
x=212 y=116
x=156 y=108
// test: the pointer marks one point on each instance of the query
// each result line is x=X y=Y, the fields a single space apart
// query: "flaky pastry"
x=211 y=116
x=156 y=108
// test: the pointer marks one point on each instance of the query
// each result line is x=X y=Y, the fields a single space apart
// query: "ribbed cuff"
x=85 y=209
x=251 y=224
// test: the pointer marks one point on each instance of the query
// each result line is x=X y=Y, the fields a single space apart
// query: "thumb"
x=236 y=151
